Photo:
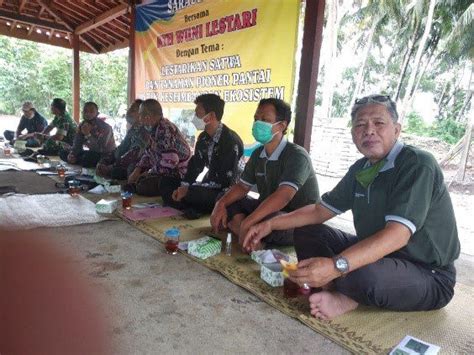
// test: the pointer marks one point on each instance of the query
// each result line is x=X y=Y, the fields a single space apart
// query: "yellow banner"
x=242 y=50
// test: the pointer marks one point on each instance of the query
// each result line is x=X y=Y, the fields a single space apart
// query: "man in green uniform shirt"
x=402 y=256
x=282 y=171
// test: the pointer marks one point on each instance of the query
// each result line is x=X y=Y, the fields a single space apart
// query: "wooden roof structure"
x=101 y=25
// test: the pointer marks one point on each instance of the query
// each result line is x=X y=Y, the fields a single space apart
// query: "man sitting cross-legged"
x=402 y=256
x=219 y=149
x=282 y=171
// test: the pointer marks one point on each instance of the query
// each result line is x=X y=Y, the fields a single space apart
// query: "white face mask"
x=199 y=122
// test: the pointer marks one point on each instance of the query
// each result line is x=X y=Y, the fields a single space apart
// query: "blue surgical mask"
x=262 y=131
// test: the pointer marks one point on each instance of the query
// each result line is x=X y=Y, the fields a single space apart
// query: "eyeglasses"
x=376 y=98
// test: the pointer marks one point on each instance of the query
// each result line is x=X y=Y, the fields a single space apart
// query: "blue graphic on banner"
x=151 y=12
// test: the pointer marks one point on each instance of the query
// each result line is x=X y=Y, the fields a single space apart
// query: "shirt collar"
x=276 y=153
x=396 y=149
x=218 y=133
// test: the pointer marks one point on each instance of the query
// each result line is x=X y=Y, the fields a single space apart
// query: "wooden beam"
x=12 y=26
x=32 y=21
x=21 y=6
x=41 y=38
x=101 y=19
x=308 y=76
x=131 y=55
x=76 y=84
x=51 y=10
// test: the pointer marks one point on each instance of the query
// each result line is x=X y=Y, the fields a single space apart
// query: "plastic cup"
x=61 y=169
x=172 y=240
x=126 y=200
x=74 y=188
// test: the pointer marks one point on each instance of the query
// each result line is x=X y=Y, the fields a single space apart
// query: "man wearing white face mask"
x=219 y=149
x=282 y=171
x=32 y=121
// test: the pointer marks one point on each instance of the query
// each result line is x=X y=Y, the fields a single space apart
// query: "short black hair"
x=152 y=107
x=91 y=103
x=283 y=110
x=211 y=103
x=60 y=104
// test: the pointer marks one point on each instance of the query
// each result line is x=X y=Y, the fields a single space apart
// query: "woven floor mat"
x=363 y=331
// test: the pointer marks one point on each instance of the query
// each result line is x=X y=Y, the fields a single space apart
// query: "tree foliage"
x=39 y=73
x=385 y=46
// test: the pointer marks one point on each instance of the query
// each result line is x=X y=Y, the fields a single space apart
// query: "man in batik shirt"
x=93 y=133
x=121 y=163
x=166 y=157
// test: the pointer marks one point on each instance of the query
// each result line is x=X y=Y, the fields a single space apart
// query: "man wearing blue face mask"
x=282 y=171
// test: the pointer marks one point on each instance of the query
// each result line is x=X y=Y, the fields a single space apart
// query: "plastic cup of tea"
x=126 y=200
x=7 y=150
x=172 y=240
x=290 y=288
x=40 y=159
x=61 y=169
x=74 y=188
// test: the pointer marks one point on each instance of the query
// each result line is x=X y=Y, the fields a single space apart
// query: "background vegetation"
x=403 y=48
x=39 y=73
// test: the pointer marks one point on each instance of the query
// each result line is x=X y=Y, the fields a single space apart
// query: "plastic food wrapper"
x=204 y=247
x=268 y=256
x=106 y=206
x=272 y=274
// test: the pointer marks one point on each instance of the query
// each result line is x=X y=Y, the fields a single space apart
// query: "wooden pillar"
x=131 y=54
x=308 y=76
x=76 y=78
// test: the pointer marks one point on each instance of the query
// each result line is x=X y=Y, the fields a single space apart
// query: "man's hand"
x=315 y=272
x=71 y=158
x=86 y=128
x=255 y=234
x=103 y=170
x=219 y=217
x=133 y=177
x=180 y=193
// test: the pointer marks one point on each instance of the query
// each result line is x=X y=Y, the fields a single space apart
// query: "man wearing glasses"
x=402 y=256
x=32 y=121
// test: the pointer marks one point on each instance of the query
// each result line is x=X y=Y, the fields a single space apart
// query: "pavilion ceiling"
x=102 y=25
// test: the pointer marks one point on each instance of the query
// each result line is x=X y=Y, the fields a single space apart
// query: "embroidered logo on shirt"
x=358 y=195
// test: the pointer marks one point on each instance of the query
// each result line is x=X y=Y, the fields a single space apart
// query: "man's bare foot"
x=328 y=305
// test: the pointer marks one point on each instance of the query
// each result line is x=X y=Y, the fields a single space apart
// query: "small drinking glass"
x=172 y=240
x=290 y=288
x=74 y=188
x=61 y=169
x=7 y=150
x=126 y=200
x=40 y=159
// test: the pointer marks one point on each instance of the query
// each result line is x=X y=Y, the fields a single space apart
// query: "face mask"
x=199 y=122
x=149 y=128
x=262 y=131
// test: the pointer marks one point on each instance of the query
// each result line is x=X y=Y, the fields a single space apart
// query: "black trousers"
x=246 y=206
x=30 y=142
x=157 y=185
x=392 y=282
x=86 y=158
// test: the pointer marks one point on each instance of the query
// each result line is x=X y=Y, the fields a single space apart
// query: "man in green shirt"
x=65 y=126
x=282 y=172
x=402 y=256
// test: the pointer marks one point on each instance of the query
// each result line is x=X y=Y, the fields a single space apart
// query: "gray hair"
x=376 y=99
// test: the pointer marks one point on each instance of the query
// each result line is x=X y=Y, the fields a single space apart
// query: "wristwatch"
x=341 y=264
